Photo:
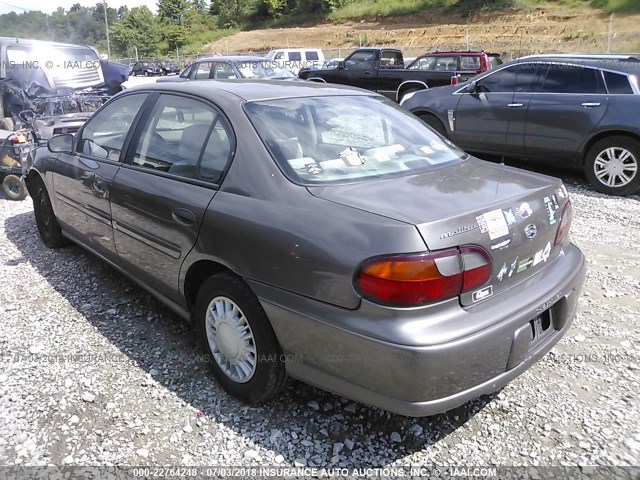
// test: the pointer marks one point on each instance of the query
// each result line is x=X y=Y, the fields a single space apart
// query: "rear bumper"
x=425 y=361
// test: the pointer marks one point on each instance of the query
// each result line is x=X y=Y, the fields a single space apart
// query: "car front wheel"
x=612 y=165
x=242 y=348
x=46 y=220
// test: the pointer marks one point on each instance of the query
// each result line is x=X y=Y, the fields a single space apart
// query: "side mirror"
x=341 y=65
x=472 y=87
x=61 y=144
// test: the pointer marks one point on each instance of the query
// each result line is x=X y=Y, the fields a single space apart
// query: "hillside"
x=552 y=28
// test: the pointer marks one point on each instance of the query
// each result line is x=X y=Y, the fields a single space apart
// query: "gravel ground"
x=95 y=371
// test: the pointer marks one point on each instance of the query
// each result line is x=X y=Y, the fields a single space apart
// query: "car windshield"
x=262 y=70
x=337 y=139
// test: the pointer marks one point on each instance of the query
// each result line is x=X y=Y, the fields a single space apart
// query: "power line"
x=15 y=6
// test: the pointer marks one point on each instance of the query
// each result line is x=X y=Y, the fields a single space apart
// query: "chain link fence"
x=509 y=46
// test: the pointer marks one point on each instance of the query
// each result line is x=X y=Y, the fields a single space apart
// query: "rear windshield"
x=337 y=139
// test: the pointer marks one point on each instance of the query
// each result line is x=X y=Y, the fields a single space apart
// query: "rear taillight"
x=565 y=223
x=455 y=79
x=419 y=279
x=476 y=265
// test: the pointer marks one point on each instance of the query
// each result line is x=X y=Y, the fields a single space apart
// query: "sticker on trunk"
x=562 y=192
x=509 y=216
x=501 y=245
x=524 y=210
x=502 y=272
x=494 y=223
x=481 y=294
x=551 y=204
x=524 y=264
x=542 y=255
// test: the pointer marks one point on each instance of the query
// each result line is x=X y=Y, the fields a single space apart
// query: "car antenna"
x=504 y=148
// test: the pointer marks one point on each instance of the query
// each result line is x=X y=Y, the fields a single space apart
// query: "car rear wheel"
x=13 y=188
x=434 y=123
x=242 y=348
x=46 y=220
x=612 y=165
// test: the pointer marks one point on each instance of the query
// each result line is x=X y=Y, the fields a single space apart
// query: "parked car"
x=169 y=68
x=232 y=67
x=382 y=70
x=148 y=69
x=293 y=59
x=322 y=233
x=464 y=64
x=575 y=110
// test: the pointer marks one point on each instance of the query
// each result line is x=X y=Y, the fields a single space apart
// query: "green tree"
x=139 y=29
x=173 y=11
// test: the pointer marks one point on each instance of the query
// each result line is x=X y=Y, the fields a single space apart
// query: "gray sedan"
x=321 y=233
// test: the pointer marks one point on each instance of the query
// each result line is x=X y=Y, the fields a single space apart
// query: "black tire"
x=146 y=73
x=435 y=123
x=619 y=187
x=14 y=188
x=269 y=377
x=46 y=220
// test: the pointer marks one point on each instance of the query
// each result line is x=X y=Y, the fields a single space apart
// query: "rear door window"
x=311 y=55
x=449 y=64
x=184 y=137
x=391 y=59
x=470 y=62
x=618 y=83
x=572 y=79
x=202 y=71
x=224 y=71
x=295 y=56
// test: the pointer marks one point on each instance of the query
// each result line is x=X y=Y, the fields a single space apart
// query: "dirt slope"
x=549 y=29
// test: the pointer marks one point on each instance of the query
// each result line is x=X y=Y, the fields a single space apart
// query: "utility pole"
x=610 y=39
x=106 y=26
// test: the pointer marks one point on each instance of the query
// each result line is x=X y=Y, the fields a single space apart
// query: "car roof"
x=253 y=90
x=626 y=63
x=232 y=58
x=40 y=43
x=294 y=49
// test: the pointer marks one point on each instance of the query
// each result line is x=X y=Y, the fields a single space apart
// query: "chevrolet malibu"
x=322 y=233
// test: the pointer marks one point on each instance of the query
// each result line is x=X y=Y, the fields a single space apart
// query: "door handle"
x=590 y=104
x=515 y=105
x=183 y=216
x=366 y=73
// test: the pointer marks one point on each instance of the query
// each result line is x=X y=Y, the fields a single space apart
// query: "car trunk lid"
x=512 y=214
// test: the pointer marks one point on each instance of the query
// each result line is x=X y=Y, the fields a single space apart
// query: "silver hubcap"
x=231 y=339
x=615 y=167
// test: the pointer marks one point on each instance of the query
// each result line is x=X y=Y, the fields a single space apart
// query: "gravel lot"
x=95 y=371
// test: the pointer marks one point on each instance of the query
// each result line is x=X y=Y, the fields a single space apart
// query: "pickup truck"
x=382 y=70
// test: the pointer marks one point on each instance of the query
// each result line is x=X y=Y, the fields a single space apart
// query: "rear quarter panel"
x=621 y=118
x=265 y=228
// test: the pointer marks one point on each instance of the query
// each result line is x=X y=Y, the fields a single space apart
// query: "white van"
x=293 y=59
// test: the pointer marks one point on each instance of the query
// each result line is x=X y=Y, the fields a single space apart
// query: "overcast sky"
x=49 y=6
